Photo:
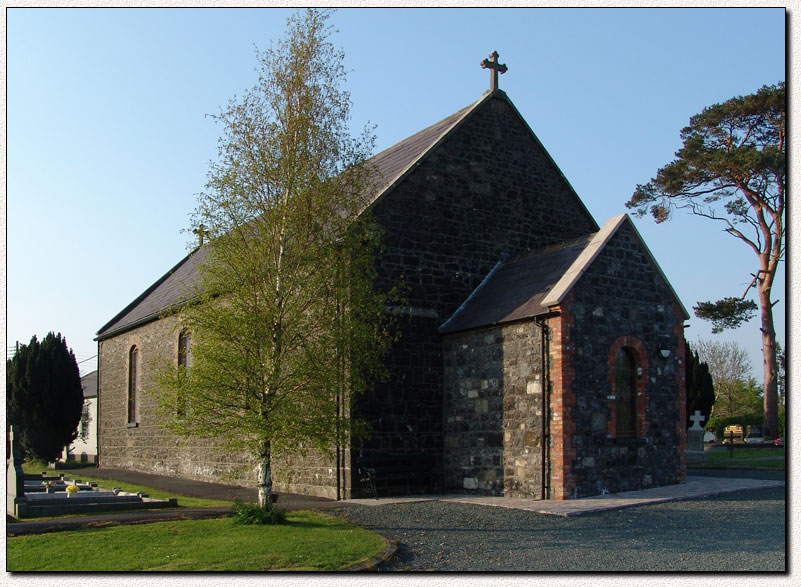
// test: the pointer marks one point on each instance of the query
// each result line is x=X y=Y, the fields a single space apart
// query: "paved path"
x=207 y=490
x=695 y=487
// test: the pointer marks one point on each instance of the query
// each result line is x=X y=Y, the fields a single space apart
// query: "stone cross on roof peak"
x=201 y=233
x=495 y=68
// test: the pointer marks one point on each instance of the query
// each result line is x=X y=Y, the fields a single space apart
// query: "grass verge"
x=309 y=541
x=752 y=458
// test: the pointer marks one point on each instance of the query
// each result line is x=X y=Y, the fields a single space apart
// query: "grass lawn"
x=743 y=457
x=309 y=541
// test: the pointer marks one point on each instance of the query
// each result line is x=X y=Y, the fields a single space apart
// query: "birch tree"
x=285 y=324
x=730 y=369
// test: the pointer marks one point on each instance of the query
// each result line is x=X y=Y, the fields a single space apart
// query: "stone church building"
x=540 y=356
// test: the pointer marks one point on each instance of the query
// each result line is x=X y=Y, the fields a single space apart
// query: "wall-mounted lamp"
x=664 y=351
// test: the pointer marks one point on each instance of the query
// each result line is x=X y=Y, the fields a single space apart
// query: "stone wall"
x=147 y=447
x=488 y=190
x=622 y=300
x=493 y=411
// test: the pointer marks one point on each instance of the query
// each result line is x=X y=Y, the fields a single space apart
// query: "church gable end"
x=487 y=189
x=619 y=315
x=484 y=189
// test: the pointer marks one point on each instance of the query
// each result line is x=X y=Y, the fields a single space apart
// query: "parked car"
x=755 y=435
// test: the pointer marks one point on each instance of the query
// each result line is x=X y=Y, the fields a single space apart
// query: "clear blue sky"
x=108 y=142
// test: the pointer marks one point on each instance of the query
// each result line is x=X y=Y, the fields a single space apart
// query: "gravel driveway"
x=740 y=531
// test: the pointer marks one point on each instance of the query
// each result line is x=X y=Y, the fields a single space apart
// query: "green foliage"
x=726 y=313
x=44 y=396
x=733 y=153
x=700 y=387
x=251 y=513
x=287 y=324
x=741 y=399
x=736 y=391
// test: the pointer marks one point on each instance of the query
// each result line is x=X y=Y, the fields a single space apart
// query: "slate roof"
x=394 y=163
x=391 y=166
x=515 y=288
x=174 y=287
x=529 y=284
x=89 y=384
x=592 y=250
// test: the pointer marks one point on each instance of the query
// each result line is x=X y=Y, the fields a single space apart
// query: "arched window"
x=133 y=383
x=625 y=393
x=184 y=361
x=185 y=349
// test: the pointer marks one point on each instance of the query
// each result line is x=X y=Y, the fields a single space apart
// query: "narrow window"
x=184 y=349
x=184 y=362
x=625 y=393
x=133 y=383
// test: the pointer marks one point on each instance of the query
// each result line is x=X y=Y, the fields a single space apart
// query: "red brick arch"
x=637 y=348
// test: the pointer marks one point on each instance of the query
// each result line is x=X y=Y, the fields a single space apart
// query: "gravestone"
x=15 y=478
x=695 y=438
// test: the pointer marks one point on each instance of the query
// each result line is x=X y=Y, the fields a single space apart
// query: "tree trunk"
x=265 y=478
x=769 y=362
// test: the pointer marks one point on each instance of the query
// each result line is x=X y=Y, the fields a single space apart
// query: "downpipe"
x=545 y=456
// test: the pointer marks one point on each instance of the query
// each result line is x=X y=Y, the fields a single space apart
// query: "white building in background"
x=84 y=448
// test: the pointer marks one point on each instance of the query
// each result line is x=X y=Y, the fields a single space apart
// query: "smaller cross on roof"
x=495 y=68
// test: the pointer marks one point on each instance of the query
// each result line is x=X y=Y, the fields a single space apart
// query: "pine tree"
x=45 y=399
x=732 y=170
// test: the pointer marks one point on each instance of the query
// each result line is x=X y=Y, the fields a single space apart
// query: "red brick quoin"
x=563 y=427
x=641 y=357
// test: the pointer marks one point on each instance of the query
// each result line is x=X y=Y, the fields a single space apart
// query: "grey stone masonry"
x=622 y=293
x=148 y=447
x=488 y=190
x=493 y=411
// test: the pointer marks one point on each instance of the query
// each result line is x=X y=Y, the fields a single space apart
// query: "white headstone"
x=695 y=437
x=697 y=418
